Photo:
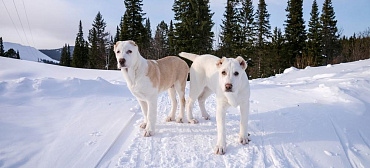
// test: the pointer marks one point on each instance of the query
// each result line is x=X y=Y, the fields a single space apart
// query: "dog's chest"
x=142 y=89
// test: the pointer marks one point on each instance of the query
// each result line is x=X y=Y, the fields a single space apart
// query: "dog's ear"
x=115 y=46
x=220 y=61
x=132 y=42
x=242 y=62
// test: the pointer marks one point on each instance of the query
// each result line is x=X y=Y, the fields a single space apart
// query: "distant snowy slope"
x=53 y=116
x=55 y=53
x=27 y=52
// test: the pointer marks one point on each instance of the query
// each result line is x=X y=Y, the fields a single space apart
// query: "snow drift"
x=52 y=116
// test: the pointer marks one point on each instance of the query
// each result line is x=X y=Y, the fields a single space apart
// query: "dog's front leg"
x=244 y=112
x=152 y=116
x=221 y=131
x=144 y=109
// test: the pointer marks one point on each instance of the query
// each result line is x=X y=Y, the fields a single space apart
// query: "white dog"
x=227 y=78
x=147 y=78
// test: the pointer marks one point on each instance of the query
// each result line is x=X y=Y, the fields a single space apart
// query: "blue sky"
x=52 y=23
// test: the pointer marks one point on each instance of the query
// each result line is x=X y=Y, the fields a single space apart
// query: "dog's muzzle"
x=228 y=87
x=122 y=62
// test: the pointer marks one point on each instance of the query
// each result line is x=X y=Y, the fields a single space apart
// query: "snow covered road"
x=66 y=117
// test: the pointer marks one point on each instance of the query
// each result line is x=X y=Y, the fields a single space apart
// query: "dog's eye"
x=236 y=73
x=128 y=52
x=223 y=72
x=118 y=52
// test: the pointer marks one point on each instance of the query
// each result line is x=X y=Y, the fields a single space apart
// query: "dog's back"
x=172 y=69
x=204 y=71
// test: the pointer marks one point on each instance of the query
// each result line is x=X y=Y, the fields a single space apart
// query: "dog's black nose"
x=228 y=87
x=122 y=61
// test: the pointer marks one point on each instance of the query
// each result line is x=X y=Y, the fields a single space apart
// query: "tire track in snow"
x=123 y=131
x=366 y=141
x=263 y=134
x=351 y=157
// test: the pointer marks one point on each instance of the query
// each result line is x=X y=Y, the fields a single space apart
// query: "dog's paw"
x=220 y=150
x=244 y=141
x=179 y=120
x=143 y=125
x=207 y=117
x=193 y=121
x=169 y=119
x=148 y=133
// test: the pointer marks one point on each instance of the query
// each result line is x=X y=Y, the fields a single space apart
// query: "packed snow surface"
x=53 y=116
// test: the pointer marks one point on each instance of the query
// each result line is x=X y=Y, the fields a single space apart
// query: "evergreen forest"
x=245 y=31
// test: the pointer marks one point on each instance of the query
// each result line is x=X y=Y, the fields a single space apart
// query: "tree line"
x=245 y=31
x=11 y=53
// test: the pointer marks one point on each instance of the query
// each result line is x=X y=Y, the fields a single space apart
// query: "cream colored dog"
x=227 y=78
x=147 y=78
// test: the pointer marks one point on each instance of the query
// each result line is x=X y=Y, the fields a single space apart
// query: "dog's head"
x=231 y=71
x=127 y=53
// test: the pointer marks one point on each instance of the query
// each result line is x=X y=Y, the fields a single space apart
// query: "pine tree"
x=171 y=40
x=117 y=36
x=263 y=34
x=193 y=27
x=65 y=59
x=62 y=56
x=263 y=24
x=147 y=39
x=68 y=56
x=147 y=27
x=204 y=26
x=230 y=30
x=132 y=27
x=93 y=52
x=11 y=53
x=248 y=33
x=277 y=51
x=330 y=46
x=160 y=42
x=1 y=47
x=101 y=38
x=295 y=32
x=123 y=35
x=314 y=36
x=80 y=55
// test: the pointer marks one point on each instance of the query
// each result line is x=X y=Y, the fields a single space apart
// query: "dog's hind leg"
x=180 y=89
x=172 y=94
x=194 y=93
x=202 y=100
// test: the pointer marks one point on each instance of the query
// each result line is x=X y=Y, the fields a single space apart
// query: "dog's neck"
x=135 y=71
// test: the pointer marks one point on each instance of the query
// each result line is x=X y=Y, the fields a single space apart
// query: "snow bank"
x=50 y=120
x=291 y=69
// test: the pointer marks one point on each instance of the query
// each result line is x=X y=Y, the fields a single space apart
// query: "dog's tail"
x=188 y=56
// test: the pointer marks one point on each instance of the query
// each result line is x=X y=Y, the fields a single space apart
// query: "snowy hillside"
x=52 y=116
x=27 y=52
